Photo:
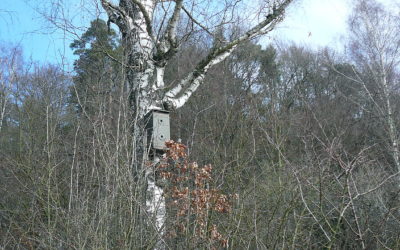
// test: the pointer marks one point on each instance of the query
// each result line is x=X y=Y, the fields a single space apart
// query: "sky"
x=314 y=23
x=21 y=25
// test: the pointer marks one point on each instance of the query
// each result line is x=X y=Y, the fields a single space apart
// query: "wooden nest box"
x=158 y=129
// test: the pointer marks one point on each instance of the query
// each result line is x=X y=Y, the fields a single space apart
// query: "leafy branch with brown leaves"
x=191 y=200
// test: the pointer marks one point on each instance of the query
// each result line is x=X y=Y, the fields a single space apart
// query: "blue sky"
x=315 y=23
x=21 y=25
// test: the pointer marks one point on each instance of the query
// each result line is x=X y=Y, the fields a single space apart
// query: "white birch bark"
x=7 y=78
x=392 y=128
x=4 y=89
x=155 y=205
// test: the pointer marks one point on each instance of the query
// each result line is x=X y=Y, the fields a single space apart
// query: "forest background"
x=303 y=139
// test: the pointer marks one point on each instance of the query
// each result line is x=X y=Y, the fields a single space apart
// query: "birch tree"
x=9 y=62
x=151 y=36
x=148 y=50
x=375 y=46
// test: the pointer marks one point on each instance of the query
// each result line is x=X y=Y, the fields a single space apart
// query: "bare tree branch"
x=115 y=13
x=168 y=45
x=196 y=22
x=175 y=98
x=147 y=17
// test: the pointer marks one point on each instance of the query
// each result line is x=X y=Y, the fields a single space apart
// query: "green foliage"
x=98 y=69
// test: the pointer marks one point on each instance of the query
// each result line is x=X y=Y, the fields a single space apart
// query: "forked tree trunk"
x=146 y=56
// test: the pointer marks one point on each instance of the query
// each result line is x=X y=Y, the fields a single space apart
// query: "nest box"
x=158 y=128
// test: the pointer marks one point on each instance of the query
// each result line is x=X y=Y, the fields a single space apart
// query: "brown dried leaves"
x=190 y=196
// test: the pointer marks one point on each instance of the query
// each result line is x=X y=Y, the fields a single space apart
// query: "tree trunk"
x=146 y=56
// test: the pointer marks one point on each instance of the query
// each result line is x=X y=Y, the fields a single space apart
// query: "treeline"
x=307 y=140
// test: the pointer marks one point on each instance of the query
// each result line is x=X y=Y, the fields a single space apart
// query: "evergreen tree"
x=98 y=67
